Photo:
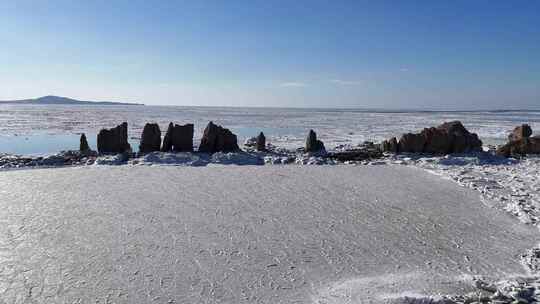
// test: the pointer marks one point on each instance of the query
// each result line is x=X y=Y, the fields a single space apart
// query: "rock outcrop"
x=150 y=138
x=314 y=145
x=218 y=139
x=413 y=143
x=114 y=140
x=390 y=145
x=450 y=137
x=83 y=144
x=261 y=142
x=365 y=151
x=179 y=138
x=520 y=132
x=520 y=143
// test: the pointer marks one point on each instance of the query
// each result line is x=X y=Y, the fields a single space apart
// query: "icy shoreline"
x=504 y=184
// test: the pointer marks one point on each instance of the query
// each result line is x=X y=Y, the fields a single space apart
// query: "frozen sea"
x=31 y=129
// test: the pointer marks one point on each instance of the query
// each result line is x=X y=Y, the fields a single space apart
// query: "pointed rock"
x=218 y=139
x=520 y=132
x=178 y=138
x=313 y=144
x=83 y=144
x=261 y=142
x=150 y=138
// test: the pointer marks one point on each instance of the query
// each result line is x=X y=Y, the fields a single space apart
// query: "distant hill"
x=58 y=100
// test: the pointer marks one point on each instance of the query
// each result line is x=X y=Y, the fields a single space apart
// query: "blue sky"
x=383 y=54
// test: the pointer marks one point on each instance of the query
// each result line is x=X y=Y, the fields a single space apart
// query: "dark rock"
x=520 y=132
x=261 y=142
x=114 y=140
x=413 y=143
x=358 y=154
x=178 y=138
x=218 y=139
x=390 y=145
x=524 y=146
x=313 y=144
x=461 y=140
x=437 y=141
x=83 y=144
x=450 y=137
x=520 y=143
x=150 y=138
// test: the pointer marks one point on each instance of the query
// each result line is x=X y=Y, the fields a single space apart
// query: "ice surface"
x=247 y=234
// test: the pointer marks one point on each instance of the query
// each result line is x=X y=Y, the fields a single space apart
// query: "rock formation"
x=150 y=138
x=178 y=138
x=450 y=137
x=313 y=144
x=366 y=150
x=114 y=140
x=83 y=144
x=520 y=132
x=261 y=142
x=218 y=139
x=411 y=142
x=520 y=143
x=390 y=145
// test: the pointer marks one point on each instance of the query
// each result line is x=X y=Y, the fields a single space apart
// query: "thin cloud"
x=293 y=84
x=404 y=69
x=346 y=82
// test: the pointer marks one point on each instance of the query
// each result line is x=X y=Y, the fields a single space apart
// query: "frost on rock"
x=177 y=159
x=112 y=160
x=238 y=158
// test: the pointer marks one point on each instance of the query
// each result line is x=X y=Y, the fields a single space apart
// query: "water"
x=31 y=129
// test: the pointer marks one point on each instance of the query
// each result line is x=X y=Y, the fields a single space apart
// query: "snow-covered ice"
x=248 y=234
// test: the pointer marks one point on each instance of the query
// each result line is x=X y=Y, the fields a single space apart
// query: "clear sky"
x=384 y=54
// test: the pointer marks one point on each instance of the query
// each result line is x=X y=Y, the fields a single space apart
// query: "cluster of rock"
x=450 y=137
x=178 y=138
x=367 y=150
x=447 y=138
x=64 y=158
x=515 y=291
x=520 y=143
x=258 y=143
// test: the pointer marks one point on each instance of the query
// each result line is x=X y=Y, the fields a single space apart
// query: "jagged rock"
x=218 y=139
x=520 y=143
x=114 y=140
x=526 y=145
x=261 y=142
x=520 y=132
x=178 y=138
x=358 y=154
x=83 y=144
x=390 y=145
x=150 y=138
x=450 y=137
x=313 y=144
x=461 y=140
x=410 y=142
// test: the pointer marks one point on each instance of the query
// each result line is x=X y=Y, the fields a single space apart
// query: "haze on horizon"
x=372 y=54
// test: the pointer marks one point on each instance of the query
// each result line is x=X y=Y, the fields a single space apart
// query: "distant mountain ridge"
x=58 y=100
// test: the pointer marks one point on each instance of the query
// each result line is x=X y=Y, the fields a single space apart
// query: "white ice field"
x=248 y=234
